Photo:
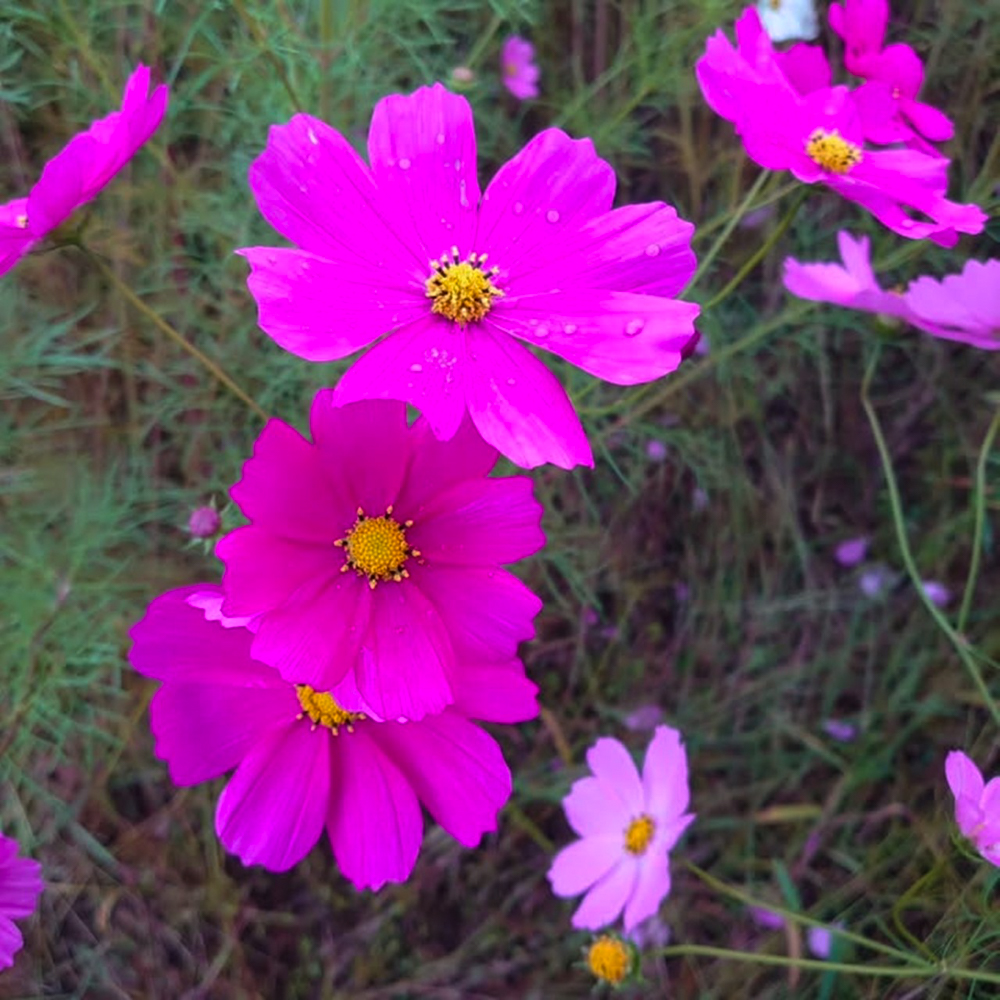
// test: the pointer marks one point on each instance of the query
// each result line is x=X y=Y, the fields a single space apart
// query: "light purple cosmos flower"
x=852 y=551
x=78 y=172
x=963 y=307
x=308 y=760
x=518 y=69
x=20 y=886
x=977 y=804
x=377 y=551
x=452 y=286
x=627 y=824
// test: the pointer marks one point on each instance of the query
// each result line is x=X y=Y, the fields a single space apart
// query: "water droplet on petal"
x=404 y=164
x=511 y=381
x=518 y=208
x=633 y=327
x=304 y=188
x=570 y=328
x=653 y=250
x=312 y=137
x=439 y=138
x=462 y=196
x=552 y=215
x=542 y=332
x=416 y=367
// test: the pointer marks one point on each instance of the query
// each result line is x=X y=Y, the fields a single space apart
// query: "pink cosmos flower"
x=374 y=555
x=819 y=137
x=76 y=174
x=20 y=886
x=977 y=805
x=963 y=307
x=861 y=24
x=518 y=69
x=627 y=825
x=306 y=760
x=453 y=285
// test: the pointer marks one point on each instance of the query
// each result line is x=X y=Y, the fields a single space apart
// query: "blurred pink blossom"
x=852 y=551
x=20 y=886
x=977 y=804
x=656 y=451
x=627 y=824
x=518 y=69
x=204 y=522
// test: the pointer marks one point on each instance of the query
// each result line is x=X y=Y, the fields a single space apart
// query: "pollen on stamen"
x=323 y=710
x=833 y=152
x=376 y=548
x=639 y=834
x=462 y=290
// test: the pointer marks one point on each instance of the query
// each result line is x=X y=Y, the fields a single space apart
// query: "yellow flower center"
x=21 y=221
x=638 y=834
x=377 y=547
x=609 y=959
x=324 y=711
x=462 y=290
x=832 y=151
x=775 y=4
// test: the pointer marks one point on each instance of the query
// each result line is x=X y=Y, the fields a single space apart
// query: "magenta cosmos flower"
x=375 y=551
x=627 y=824
x=20 y=886
x=76 y=174
x=518 y=69
x=977 y=804
x=454 y=286
x=306 y=760
x=963 y=307
x=819 y=136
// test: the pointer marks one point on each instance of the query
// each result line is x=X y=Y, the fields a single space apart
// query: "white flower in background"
x=785 y=20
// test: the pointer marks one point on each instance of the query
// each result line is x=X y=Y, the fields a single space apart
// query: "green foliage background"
x=725 y=609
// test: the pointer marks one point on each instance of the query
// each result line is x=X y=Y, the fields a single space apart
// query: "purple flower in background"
x=937 y=592
x=518 y=69
x=851 y=552
x=764 y=917
x=840 y=730
x=977 y=804
x=204 y=522
x=875 y=580
x=820 y=940
x=656 y=451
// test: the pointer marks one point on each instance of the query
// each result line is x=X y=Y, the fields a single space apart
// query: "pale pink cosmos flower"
x=964 y=307
x=820 y=138
x=784 y=20
x=627 y=824
x=81 y=169
x=375 y=552
x=20 y=886
x=977 y=804
x=518 y=69
x=308 y=760
x=453 y=286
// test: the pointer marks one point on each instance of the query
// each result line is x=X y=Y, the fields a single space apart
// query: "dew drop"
x=304 y=188
x=312 y=137
x=416 y=367
x=511 y=381
x=653 y=250
x=518 y=208
x=404 y=164
x=439 y=138
x=552 y=215
x=463 y=198
x=570 y=328
x=633 y=327
x=542 y=332
x=532 y=321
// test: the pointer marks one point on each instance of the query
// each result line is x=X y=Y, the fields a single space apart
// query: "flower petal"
x=665 y=775
x=456 y=769
x=621 y=337
x=204 y=729
x=422 y=148
x=316 y=191
x=375 y=824
x=577 y=867
x=518 y=405
x=321 y=309
x=16 y=238
x=407 y=656
x=11 y=942
x=273 y=809
x=652 y=886
x=614 y=768
x=606 y=900
x=488 y=612
x=422 y=364
x=491 y=521
x=966 y=784
x=552 y=187
x=492 y=693
x=592 y=812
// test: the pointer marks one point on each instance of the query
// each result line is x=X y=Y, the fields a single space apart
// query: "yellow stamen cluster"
x=462 y=290
x=21 y=221
x=610 y=959
x=638 y=834
x=833 y=152
x=376 y=547
x=324 y=711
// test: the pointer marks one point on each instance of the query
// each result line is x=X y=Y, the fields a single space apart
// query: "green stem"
x=925 y=970
x=720 y=240
x=762 y=251
x=268 y=50
x=957 y=640
x=979 y=507
x=483 y=41
x=899 y=906
x=177 y=336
